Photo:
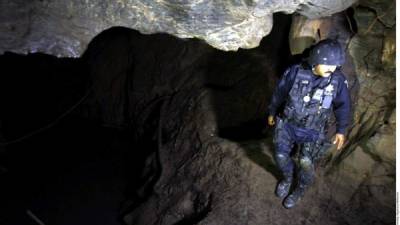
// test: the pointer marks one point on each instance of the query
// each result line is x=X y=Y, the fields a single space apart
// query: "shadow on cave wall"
x=241 y=82
x=156 y=69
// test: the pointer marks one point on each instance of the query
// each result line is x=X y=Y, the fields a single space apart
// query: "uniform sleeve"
x=281 y=92
x=342 y=108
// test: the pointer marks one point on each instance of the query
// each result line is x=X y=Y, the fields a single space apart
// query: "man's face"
x=324 y=70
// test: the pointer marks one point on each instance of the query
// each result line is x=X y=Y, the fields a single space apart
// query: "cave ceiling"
x=64 y=28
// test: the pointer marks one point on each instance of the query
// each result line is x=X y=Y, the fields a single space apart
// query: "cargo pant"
x=312 y=147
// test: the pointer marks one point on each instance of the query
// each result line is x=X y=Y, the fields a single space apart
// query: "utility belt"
x=299 y=123
x=317 y=149
x=291 y=117
x=308 y=121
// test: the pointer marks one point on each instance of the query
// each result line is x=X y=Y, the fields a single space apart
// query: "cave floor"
x=330 y=200
x=77 y=173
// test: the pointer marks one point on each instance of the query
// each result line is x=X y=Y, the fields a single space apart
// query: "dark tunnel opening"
x=275 y=52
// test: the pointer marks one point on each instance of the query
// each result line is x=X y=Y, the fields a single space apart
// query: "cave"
x=144 y=113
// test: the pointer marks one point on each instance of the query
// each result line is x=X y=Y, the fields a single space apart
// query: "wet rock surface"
x=64 y=28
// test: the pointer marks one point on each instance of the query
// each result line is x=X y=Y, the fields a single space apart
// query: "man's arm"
x=282 y=90
x=342 y=110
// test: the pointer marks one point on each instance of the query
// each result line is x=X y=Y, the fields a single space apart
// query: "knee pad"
x=281 y=136
x=306 y=163
x=282 y=159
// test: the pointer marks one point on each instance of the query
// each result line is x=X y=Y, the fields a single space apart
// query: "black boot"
x=282 y=189
x=296 y=195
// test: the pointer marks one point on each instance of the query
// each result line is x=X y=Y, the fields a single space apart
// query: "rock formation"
x=64 y=28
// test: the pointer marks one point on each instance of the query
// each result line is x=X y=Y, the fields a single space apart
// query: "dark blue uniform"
x=341 y=104
x=308 y=100
x=311 y=139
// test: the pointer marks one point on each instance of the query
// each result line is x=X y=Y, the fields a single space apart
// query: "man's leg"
x=306 y=175
x=283 y=146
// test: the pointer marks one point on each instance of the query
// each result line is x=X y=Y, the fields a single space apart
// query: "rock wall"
x=64 y=28
x=368 y=162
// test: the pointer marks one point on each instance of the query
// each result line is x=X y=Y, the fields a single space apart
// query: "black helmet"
x=328 y=52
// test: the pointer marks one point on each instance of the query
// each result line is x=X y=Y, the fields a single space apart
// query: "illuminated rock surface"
x=64 y=28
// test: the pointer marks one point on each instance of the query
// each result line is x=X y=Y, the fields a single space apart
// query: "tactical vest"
x=307 y=106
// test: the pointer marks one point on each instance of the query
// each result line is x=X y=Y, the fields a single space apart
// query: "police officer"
x=310 y=91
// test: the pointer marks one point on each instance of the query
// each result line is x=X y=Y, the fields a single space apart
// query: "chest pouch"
x=318 y=94
x=304 y=87
x=326 y=103
x=328 y=97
